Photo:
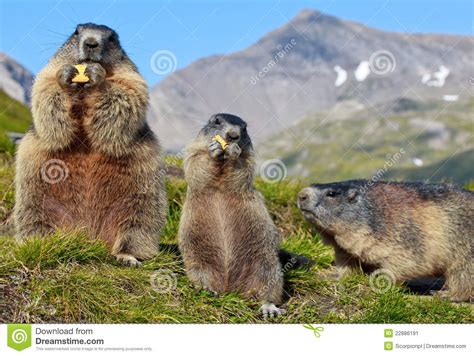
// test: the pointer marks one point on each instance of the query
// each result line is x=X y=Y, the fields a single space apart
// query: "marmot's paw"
x=331 y=274
x=271 y=310
x=65 y=75
x=233 y=151
x=447 y=295
x=336 y=273
x=215 y=149
x=96 y=74
x=342 y=271
x=127 y=260
x=207 y=289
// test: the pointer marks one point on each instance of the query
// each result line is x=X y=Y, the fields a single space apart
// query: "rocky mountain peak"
x=15 y=79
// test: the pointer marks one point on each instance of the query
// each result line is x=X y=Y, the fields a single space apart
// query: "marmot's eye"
x=217 y=121
x=76 y=32
x=331 y=193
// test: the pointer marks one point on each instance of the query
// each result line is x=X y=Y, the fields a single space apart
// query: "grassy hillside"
x=68 y=278
x=351 y=141
x=14 y=117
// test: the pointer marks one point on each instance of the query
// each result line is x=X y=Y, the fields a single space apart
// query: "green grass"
x=69 y=278
x=14 y=117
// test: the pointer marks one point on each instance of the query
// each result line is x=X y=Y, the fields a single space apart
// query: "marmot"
x=90 y=161
x=410 y=229
x=226 y=236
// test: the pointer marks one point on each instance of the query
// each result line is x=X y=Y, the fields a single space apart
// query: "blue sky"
x=31 y=31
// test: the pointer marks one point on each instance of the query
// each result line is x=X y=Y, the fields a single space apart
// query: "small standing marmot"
x=410 y=229
x=226 y=235
x=90 y=160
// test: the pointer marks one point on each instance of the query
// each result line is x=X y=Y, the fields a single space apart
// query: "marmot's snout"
x=230 y=127
x=93 y=41
x=91 y=46
x=307 y=199
x=324 y=204
x=232 y=134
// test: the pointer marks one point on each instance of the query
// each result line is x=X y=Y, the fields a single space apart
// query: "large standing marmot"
x=90 y=161
x=411 y=229
x=226 y=236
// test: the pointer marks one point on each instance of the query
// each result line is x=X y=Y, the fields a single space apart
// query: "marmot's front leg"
x=344 y=263
x=215 y=150
x=65 y=75
x=96 y=74
x=53 y=95
x=232 y=151
x=118 y=110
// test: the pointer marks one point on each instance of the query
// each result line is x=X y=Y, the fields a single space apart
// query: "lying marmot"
x=411 y=229
x=90 y=161
x=226 y=236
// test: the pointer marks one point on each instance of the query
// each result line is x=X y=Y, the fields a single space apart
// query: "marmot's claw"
x=233 y=151
x=215 y=149
x=96 y=74
x=207 y=289
x=447 y=295
x=128 y=260
x=271 y=310
x=65 y=75
x=341 y=271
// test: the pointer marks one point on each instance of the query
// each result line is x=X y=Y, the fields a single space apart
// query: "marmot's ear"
x=352 y=195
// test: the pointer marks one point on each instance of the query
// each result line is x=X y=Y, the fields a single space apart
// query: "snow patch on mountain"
x=341 y=76
x=362 y=71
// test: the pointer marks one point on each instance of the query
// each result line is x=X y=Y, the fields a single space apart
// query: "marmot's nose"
x=232 y=135
x=303 y=196
x=91 y=43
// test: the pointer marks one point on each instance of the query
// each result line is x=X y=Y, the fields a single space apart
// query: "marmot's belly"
x=236 y=251
x=86 y=191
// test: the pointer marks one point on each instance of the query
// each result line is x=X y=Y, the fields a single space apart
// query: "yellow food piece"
x=223 y=142
x=80 y=77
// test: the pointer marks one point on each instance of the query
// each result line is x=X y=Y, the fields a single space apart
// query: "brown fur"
x=111 y=163
x=226 y=236
x=412 y=230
